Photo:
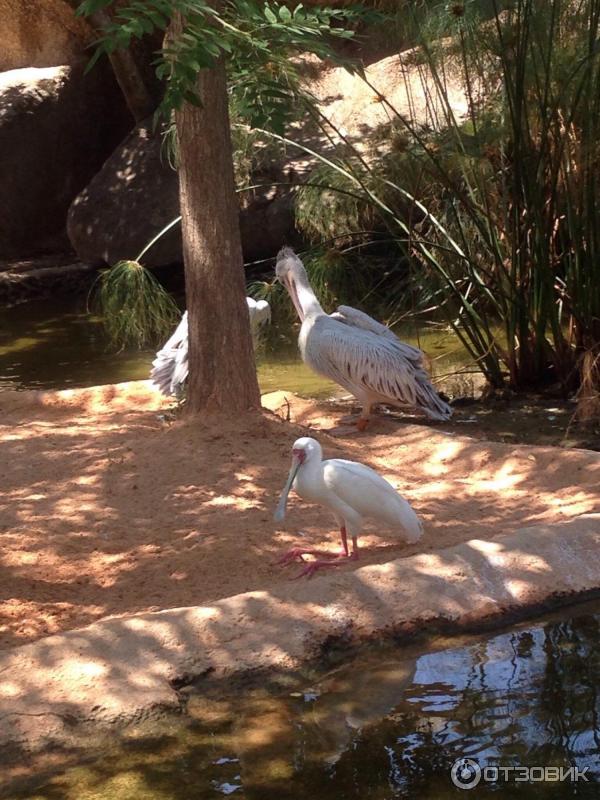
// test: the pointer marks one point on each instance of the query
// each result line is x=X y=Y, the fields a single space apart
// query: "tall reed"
x=496 y=203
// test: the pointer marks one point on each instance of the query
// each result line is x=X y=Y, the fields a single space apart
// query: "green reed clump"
x=490 y=191
x=135 y=308
x=329 y=205
x=517 y=176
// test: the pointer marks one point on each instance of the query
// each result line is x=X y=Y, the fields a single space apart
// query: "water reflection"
x=56 y=344
x=387 y=725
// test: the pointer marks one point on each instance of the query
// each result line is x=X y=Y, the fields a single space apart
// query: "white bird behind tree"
x=170 y=367
x=356 y=351
x=353 y=493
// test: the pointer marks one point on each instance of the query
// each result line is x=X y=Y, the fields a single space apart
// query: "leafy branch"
x=256 y=39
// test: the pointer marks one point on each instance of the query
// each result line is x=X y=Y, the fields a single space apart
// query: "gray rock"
x=136 y=194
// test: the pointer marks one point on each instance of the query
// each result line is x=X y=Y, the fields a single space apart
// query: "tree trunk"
x=221 y=358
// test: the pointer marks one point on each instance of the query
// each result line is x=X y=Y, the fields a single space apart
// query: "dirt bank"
x=110 y=507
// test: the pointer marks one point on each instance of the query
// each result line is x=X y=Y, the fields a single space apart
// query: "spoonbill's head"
x=290 y=272
x=304 y=450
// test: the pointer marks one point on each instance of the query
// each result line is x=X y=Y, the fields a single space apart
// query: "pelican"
x=352 y=492
x=356 y=351
x=170 y=367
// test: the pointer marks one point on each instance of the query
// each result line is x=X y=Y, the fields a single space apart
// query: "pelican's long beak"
x=279 y=514
x=290 y=285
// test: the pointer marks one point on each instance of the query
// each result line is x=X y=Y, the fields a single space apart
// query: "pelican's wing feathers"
x=170 y=367
x=372 y=366
x=358 y=319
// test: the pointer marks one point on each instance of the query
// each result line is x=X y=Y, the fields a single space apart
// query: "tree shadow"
x=122 y=512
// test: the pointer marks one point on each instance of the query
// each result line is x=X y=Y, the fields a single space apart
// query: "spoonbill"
x=170 y=366
x=356 y=351
x=352 y=492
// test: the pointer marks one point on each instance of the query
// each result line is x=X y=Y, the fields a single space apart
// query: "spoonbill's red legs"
x=353 y=493
x=326 y=558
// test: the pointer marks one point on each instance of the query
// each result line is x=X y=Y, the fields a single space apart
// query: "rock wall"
x=43 y=33
x=64 y=143
x=57 y=126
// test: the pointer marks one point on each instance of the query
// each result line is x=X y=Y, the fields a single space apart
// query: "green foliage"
x=256 y=37
x=329 y=205
x=253 y=154
x=136 y=310
x=497 y=208
x=521 y=201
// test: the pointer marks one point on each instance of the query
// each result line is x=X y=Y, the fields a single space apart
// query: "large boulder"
x=57 y=126
x=136 y=194
x=127 y=203
x=41 y=34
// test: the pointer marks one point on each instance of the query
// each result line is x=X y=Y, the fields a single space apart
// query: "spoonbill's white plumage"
x=170 y=367
x=353 y=492
x=356 y=351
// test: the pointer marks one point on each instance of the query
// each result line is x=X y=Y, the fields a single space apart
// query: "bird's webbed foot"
x=353 y=428
x=351 y=423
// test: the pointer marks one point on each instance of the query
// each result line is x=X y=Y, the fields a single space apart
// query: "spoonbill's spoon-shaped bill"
x=281 y=509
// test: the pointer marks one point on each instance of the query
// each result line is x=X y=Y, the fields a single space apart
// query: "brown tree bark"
x=222 y=371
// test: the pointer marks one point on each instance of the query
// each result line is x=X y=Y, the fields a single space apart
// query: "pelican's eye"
x=300 y=455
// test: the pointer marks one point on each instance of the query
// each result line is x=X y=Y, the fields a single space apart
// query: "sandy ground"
x=109 y=506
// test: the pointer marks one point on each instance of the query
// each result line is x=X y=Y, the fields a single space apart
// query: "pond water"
x=389 y=723
x=56 y=344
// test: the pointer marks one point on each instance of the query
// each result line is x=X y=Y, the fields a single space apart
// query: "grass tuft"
x=135 y=308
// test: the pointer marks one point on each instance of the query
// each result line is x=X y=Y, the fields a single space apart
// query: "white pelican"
x=170 y=367
x=356 y=351
x=352 y=492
